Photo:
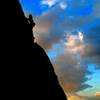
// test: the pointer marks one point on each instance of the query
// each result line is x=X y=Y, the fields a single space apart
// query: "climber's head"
x=30 y=16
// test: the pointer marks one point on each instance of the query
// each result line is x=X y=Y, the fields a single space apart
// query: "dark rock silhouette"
x=26 y=69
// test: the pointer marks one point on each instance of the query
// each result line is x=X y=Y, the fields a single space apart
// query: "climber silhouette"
x=29 y=73
x=31 y=22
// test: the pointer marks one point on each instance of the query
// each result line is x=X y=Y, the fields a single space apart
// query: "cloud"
x=53 y=28
x=75 y=43
x=97 y=93
x=48 y=30
x=50 y=3
x=63 y=5
x=52 y=24
x=75 y=98
x=91 y=98
x=92 y=39
x=70 y=72
x=78 y=97
x=68 y=66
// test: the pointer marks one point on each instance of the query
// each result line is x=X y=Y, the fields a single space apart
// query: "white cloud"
x=63 y=5
x=50 y=3
x=74 y=43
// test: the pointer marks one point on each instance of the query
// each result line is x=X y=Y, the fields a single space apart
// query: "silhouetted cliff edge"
x=27 y=72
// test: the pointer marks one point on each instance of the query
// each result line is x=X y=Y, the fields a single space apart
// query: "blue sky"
x=69 y=31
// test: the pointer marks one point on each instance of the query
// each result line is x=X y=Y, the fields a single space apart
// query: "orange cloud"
x=97 y=93
x=74 y=98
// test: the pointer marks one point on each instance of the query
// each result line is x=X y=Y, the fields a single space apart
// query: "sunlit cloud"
x=77 y=97
x=97 y=93
x=75 y=43
x=74 y=98
x=81 y=37
x=63 y=5
x=71 y=74
x=50 y=3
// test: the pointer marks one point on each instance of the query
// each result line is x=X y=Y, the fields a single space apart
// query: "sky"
x=69 y=31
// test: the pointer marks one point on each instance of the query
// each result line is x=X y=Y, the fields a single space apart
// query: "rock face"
x=27 y=72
